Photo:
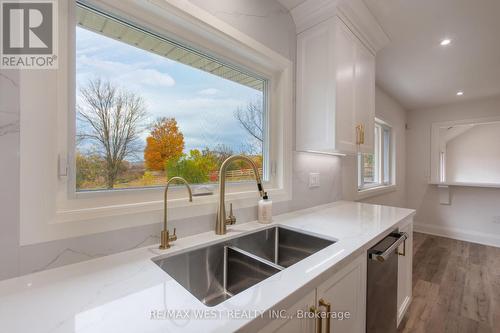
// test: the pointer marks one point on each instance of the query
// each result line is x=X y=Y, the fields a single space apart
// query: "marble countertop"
x=118 y=293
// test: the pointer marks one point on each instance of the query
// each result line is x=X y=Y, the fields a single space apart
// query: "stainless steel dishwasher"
x=382 y=284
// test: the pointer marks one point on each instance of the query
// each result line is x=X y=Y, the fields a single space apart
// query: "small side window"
x=375 y=169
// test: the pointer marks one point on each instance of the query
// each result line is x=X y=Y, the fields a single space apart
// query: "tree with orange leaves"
x=164 y=143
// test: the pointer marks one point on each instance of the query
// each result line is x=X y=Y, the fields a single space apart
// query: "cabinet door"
x=345 y=46
x=405 y=272
x=346 y=293
x=335 y=89
x=364 y=95
x=295 y=325
x=316 y=88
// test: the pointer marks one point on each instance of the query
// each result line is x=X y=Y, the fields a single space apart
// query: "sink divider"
x=276 y=245
x=250 y=255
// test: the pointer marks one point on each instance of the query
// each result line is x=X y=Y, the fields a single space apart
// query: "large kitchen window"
x=375 y=169
x=147 y=90
x=149 y=108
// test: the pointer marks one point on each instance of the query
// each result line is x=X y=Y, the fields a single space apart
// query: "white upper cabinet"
x=316 y=88
x=364 y=90
x=344 y=59
x=335 y=90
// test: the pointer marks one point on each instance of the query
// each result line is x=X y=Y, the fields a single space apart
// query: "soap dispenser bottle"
x=265 y=209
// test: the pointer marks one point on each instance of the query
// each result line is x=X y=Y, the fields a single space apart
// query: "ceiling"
x=420 y=73
x=290 y=4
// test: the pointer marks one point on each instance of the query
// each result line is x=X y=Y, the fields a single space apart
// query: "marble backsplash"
x=9 y=173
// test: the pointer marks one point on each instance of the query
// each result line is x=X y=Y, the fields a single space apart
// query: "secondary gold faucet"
x=222 y=221
x=166 y=238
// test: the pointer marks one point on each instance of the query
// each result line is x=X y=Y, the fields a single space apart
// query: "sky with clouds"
x=202 y=103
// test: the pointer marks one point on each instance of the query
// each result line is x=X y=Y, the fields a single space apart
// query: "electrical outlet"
x=313 y=179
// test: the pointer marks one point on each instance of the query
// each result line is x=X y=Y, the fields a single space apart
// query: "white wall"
x=390 y=111
x=264 y=20
x=473 y=156
x=474 y=213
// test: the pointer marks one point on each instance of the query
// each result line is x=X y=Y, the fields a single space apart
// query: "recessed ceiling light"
x=460 y=93
x=445 y=42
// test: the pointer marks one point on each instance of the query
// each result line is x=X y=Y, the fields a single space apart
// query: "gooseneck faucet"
x=222 y=220
x=166 y=238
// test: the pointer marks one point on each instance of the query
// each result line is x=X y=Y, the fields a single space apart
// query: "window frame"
x=49 y=211
x=235 y=191
x=384 y=155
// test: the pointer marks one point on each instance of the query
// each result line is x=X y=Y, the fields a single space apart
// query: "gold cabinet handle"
x=328 y=307
x=360 y=134
x=315 y=311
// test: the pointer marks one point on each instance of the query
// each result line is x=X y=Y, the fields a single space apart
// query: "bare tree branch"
x=112 y=118
x=251 y=120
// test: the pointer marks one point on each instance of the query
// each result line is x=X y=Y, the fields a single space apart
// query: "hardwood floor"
x=456 y=287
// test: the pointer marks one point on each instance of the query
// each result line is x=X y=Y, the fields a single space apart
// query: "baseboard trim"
x=402 y=310
x=458 y=234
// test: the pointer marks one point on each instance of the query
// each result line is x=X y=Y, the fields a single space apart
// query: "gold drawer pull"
x=328 y=307
x=315 y=311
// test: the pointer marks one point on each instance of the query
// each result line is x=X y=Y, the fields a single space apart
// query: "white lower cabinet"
x=405 y=263
x=345 y=295
x=342 y=295
x=295 y=324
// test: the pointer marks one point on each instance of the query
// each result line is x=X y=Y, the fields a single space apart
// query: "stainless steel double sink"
x=217 y=272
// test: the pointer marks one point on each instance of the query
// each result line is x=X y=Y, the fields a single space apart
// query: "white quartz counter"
x=118 y=293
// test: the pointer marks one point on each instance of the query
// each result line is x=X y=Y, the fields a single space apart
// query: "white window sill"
x=375 y=191
x=179 y=208
x=466 y=184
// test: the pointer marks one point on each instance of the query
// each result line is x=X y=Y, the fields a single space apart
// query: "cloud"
x=203 y=103
x=134 y=75
x=148 y=77
x=208 y=92
x=204 y=121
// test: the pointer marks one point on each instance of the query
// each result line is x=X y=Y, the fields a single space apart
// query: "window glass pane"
x=369 y=169
x=149 y=108
x=386 y=148
x=374 y=169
